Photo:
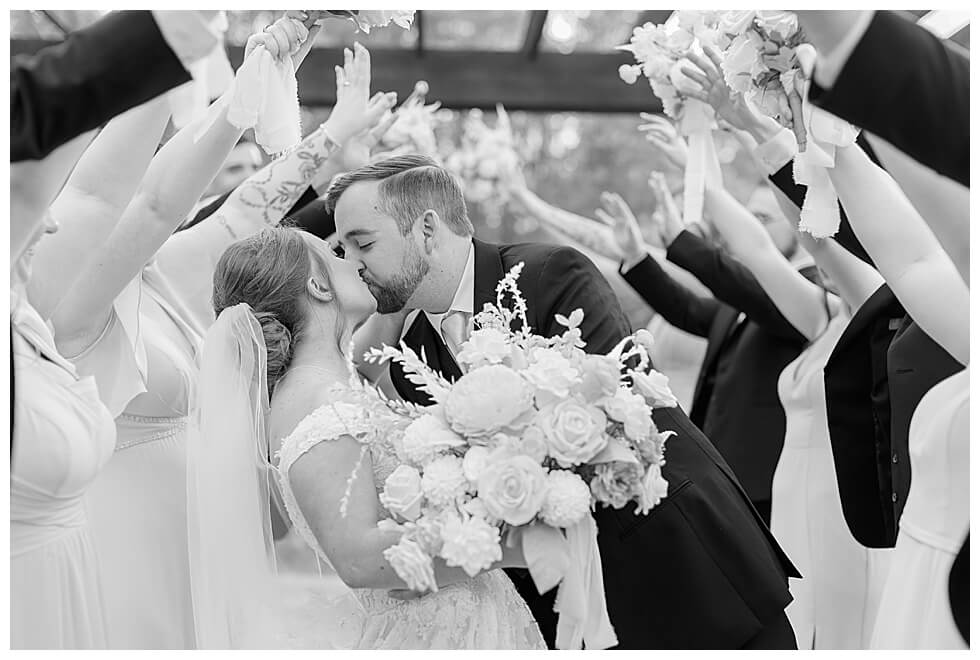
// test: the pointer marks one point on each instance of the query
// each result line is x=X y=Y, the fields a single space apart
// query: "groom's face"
x=391 y=264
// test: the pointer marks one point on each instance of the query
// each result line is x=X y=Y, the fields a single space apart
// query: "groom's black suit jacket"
x=701 y=570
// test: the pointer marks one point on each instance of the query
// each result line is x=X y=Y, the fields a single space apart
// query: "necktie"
x=454 y=325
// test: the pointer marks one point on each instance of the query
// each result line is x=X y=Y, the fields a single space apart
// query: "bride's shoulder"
x=325 y=412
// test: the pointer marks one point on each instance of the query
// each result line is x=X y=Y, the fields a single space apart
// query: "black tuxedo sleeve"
x=568 y=280
x=783 y=180
x=97 y=73
x=731 y=283
x=906 y=86
x=680 y=306
x=312 y=216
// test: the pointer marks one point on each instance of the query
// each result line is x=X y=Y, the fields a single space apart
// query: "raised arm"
x=907 y=253
x=175 y=180
x=94 y=198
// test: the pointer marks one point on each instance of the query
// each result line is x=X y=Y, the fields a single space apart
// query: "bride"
x=286 y=306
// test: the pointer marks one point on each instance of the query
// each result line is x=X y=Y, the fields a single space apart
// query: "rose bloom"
x=426 y=437
x=574 y=431
x=473 y=463
x=679 y=40
x=513 y=488
x=487 y=400
x=412 y=565
x=615 y=483
x=550 y=372
x=600 y=377
x=472 y=544
x=485 y=346
x=742 y=62
x=402 y=493
x=534 y=443
x=735 y=22
x=781 y=24
x=653 y=386
x=632 y=411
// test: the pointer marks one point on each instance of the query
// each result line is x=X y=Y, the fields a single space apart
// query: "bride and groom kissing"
x=699 y=571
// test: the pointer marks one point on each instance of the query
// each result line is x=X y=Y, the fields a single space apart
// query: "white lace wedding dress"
x=484 y=612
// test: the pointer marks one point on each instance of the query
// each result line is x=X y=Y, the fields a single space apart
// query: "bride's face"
x=349 y=289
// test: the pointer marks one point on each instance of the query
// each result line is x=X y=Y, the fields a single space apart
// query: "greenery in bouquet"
x=535 y=432
x=484 y=161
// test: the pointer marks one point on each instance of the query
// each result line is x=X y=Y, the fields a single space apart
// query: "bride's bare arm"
x=353 y=542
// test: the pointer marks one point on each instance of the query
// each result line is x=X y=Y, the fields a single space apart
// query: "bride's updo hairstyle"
x=269 y=271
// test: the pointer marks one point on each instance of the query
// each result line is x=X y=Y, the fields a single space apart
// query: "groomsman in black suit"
x=117 y=63
x=701 y=570
x=736 y=402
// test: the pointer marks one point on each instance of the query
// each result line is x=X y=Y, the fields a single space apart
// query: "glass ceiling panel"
x=475 y=30
x=584 y=30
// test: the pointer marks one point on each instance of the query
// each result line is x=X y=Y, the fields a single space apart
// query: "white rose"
x=630 y=73
x=488 y=400
x=735 y=22
x=485 y=346
x=512 y=487
x=782 y=24
x=742 y=62
x=575 y=432
x=653 y=488
x=412 y=565
x=471 y=544
x=473 y=463
x=566 y=501
x=600 y=377
x=534 y=444
x=443 y=481
x=653 y=386
x=632 y=411
x=550 y=371
x=679 y=40
x=426 y=437
x=402 y=493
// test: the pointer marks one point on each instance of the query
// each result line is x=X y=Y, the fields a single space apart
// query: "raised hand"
x=282 y=38
x=354 y=112
x=667 y=218
x=616 y=213
x=671 y=148
x=357 y=150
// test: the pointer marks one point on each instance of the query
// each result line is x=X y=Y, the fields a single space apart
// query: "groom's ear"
x=429 y=222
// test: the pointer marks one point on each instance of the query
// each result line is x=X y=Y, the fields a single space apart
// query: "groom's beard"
x=392 y=296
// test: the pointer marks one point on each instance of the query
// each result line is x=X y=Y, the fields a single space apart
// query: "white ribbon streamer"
x=696 y=124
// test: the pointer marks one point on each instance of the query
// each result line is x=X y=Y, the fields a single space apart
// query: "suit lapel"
x=720 y=332
x=488 y=269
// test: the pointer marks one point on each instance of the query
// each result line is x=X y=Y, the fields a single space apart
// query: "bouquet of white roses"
x=365 y=19
x=484 y=161
x=761 y=61
x=534 y=434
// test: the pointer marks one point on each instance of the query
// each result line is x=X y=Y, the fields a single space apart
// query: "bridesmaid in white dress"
x=143 y=345
x=62 y=436
x=915 y=611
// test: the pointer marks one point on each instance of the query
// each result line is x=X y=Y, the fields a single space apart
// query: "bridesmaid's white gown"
x=484 y=612
x=63 y=435
x=835 y=604
x=915 y=612
x=145 y=365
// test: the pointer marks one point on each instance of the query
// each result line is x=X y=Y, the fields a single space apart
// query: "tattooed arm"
x=188 y=258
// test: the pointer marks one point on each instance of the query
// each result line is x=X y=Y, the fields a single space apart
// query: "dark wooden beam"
x=535 y=28
x=552 y=82
x=419 y=23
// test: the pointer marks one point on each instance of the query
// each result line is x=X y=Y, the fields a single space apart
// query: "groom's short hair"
x=409 y=186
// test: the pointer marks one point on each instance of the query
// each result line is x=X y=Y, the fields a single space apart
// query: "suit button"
x=894 y=497
x=894 y=458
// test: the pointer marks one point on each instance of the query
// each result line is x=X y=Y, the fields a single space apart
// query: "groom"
x=701 y=570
